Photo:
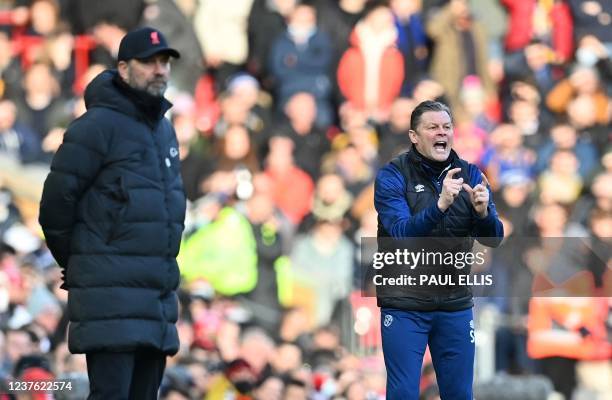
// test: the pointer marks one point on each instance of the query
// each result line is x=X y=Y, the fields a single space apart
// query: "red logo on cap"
x=154 y=38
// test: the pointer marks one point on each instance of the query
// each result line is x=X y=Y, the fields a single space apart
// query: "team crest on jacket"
x=419 y=188
x=388 y=320
x=173 y=152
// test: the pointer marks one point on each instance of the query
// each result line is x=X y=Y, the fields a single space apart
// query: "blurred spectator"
x=473 y=100
x=44 y=17
x=460 y=50
x=356 y=172
x=561 y=183
x=216 y=19
x=287 y=358
x=583 y=82
x=264 y=299
x=257 y=349
x=563 y=330
x=322 y=260
x=40 y=106
x=331 y=202
x=270 y=389
x=247 y=92
x=107 y=34
x=564 y=137
x=363 y=138
x=506 y=155
x=237 y=382
x=16 y=139
x=9 y=213
x=411 y=41
x=600 y=197
x=169 y=17
x=530 y=120
x=393 y=135
x=235 y=153
x=592 y=18
x=58 y=50
x=310 y=142
x=531 y=65
x=492 y=15
x=300 y=61
x=266 y=22
x=337 y=19
x=429 y=89
x=514 y=201
x=196 y=163
x=84 y=16
x=221 y=252
x=582 y=113
x=469 y=140
x=371 y=71
x=19 y=343
x=549 y=22
x=10 y=70
x=291 y=187
x=600 y=224
x=295 y=389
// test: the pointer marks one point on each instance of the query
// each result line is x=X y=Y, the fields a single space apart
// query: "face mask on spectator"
x=301 y=33
x=586 y=57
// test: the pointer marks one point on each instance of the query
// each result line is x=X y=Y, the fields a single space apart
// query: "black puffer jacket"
x=112 y=212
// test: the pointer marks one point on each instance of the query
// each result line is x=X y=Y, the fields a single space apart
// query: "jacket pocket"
x=120 y=197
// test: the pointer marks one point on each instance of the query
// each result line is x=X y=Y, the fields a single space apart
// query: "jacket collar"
x=104 y=91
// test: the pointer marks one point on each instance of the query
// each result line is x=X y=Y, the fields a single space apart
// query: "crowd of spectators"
x=284 y=110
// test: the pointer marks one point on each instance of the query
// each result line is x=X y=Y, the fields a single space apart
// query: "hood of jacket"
x=104 y=92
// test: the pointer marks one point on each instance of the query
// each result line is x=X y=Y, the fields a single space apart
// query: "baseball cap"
x=143 y=43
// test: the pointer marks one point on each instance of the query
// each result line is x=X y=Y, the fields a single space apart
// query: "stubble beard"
x=151 y=87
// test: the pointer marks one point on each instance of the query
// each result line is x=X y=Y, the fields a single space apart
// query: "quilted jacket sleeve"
x=74 y=168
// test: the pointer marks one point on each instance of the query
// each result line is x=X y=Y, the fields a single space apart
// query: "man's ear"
x=413 y=136
x=123 y=69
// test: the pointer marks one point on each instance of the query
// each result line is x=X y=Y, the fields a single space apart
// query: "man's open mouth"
x=440 y=145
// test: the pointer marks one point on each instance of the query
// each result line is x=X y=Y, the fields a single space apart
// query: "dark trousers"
x=450 y=336
x=125 y=376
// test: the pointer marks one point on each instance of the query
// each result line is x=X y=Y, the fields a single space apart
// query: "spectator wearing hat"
x=112 y=212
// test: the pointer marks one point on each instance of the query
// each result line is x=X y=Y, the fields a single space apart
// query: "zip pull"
x=444 y=170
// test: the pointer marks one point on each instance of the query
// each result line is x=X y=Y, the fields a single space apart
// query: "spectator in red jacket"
x=550 y=22
x=371 y=71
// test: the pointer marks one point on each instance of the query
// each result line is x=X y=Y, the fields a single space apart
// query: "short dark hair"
x=425 y=106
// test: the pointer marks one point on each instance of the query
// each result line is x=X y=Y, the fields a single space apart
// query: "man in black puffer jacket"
x=112 y=212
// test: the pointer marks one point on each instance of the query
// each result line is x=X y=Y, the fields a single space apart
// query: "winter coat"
x=353 y=72
x=112 y=212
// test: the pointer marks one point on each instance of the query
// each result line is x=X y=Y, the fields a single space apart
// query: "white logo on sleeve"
x=388 y=320
x=419 y=188
x=472 y=338
x=173 y=152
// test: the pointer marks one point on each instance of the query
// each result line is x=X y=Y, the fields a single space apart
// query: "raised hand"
x=450 y=189
x=479 y=195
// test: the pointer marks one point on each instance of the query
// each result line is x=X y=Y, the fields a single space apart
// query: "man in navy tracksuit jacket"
x=431 y=192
